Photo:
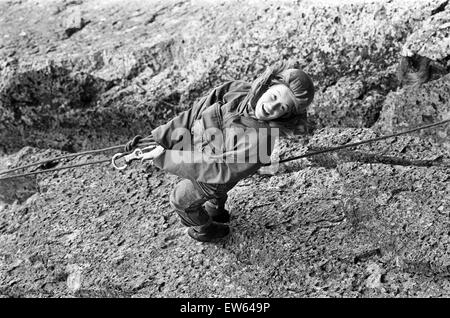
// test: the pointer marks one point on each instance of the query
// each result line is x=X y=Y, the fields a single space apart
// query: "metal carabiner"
x=137 y=154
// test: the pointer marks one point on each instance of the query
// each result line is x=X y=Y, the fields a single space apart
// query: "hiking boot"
x=209 y=233
x=220 y=215
x=222 y=218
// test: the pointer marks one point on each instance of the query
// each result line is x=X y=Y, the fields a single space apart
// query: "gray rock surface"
x=366 y=222
x=411 y=107
x=432 y=38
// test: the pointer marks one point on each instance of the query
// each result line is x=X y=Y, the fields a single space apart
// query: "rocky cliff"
x=77 y=75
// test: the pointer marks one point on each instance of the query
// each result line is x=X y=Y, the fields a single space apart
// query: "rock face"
x=426 y=52
x=349 y=103
x=432 y=39
x=415 y=106
x=58 y=105
x=371 y=221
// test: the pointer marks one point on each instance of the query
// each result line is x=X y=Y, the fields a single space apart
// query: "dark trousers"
x=188 y=199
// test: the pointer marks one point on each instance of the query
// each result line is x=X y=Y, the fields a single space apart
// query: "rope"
x=140 y=144
x=88 y=152
x=332 y=149
x=56 y=169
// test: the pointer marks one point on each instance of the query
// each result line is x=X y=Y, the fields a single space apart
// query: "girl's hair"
x=301 y=85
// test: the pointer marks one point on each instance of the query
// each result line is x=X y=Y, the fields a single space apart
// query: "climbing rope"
x=88 y=152
x=332 y=149
x=143 y=143
x=55 y=169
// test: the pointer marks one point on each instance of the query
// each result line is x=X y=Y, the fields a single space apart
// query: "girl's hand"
x=153 y=153
x=132 y=143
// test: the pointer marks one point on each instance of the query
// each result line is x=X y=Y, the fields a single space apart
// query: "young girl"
x=228 y=135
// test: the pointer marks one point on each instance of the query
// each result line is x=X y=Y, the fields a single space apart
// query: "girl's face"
x=274 y=103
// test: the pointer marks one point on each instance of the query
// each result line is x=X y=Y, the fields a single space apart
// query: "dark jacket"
x=222 y=110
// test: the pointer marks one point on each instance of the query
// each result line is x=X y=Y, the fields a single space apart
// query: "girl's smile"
x=276 y=102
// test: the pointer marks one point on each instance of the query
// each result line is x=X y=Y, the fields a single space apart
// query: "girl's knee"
x=185 y=196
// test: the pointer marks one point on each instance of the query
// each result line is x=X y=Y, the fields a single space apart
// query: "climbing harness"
x=146 y=145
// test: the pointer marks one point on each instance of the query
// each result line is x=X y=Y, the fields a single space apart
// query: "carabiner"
x=135 y=155
x=116 y=157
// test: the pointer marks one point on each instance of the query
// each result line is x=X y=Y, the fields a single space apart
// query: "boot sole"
x=206 y=239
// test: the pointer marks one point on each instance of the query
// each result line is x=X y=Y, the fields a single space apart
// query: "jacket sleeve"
x=243 y=161
x=165 y=135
